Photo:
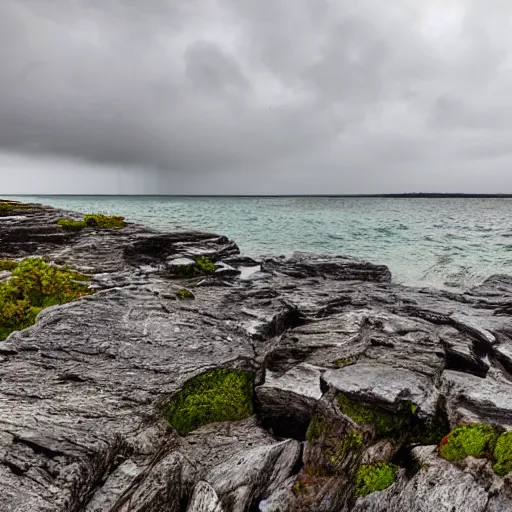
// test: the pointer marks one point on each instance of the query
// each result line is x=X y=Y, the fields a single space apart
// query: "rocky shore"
x=192 y=379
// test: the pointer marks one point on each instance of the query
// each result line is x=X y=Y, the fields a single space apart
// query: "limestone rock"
x=82 y=391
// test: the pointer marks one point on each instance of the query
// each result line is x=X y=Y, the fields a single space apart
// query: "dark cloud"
x=232 y=96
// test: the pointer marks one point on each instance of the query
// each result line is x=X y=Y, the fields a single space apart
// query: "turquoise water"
x=452 y=243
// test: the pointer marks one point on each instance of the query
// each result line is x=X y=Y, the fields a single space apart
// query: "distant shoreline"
x=415 y=195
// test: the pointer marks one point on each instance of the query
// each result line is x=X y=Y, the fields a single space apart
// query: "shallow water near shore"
x=444 y=243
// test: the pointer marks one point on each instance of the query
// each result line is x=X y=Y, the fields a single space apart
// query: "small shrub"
x=475 y=440
x=503 y=454
x=217 y=395
x=374 y=477
x=34 y=286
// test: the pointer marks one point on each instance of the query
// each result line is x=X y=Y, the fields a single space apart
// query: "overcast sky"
x=255 y=96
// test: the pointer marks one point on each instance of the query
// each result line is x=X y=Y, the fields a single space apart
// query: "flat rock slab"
x=382 y=384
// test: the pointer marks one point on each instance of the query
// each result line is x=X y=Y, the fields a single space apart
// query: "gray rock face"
x=81 y=426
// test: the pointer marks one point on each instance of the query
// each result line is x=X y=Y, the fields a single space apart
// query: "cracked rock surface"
x=81 y=427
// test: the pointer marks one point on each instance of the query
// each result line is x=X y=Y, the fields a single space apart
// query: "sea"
x=427 y=242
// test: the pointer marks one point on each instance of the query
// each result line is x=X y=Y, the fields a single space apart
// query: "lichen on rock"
x=214 y=396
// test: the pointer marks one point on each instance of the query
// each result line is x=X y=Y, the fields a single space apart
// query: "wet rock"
x=382 y=384
x=342 y=268
x=82 y=392
x=286 y=402
x=438 y=486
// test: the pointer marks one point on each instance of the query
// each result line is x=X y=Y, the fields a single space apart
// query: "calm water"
x=434 y=242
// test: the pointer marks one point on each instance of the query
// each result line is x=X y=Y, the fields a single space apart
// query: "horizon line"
x=426 y=195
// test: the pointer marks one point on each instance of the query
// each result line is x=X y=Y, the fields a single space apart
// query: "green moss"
x=96 y=220
x=475 y=440
x=201 y=266
x=9 y=265
x=386 y=423
x=503 y=454
x=105 y=221
x=11 y=206
x=183 y=293
x=217 y=395
x=374 y=477
x=72 y=225
x=34 y=286
x=343 y=361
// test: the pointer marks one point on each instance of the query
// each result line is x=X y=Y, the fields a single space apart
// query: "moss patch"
x=184 y=294
x=217 y=395
x=9 y=265
x=12 y=206
x=374 y=477
x=402 y=426
x=96 y=220
x=475 y=440
x=72 y=225
x=201 y=266
x=343 y=361
x=386 y=423
x=503 y=454
x=34 y=286
x=105 y=221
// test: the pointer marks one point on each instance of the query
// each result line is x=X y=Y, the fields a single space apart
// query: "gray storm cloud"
x=239 y=96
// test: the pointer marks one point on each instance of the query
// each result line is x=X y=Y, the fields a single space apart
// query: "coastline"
x=330 y=382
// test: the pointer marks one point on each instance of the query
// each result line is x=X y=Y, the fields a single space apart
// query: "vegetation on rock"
x=201 y=266
x=72 y=225
x=105 y=221
x=334 y=447
x=386 y=423
x=475 y=440
x=183 y=294
x=34 y=286
x=374 y=477
x=503 y=454
x=217 y=395
x=9 y=265
x=343 y=361
x=12 y=206
x=402 y=426
x=97 y=220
